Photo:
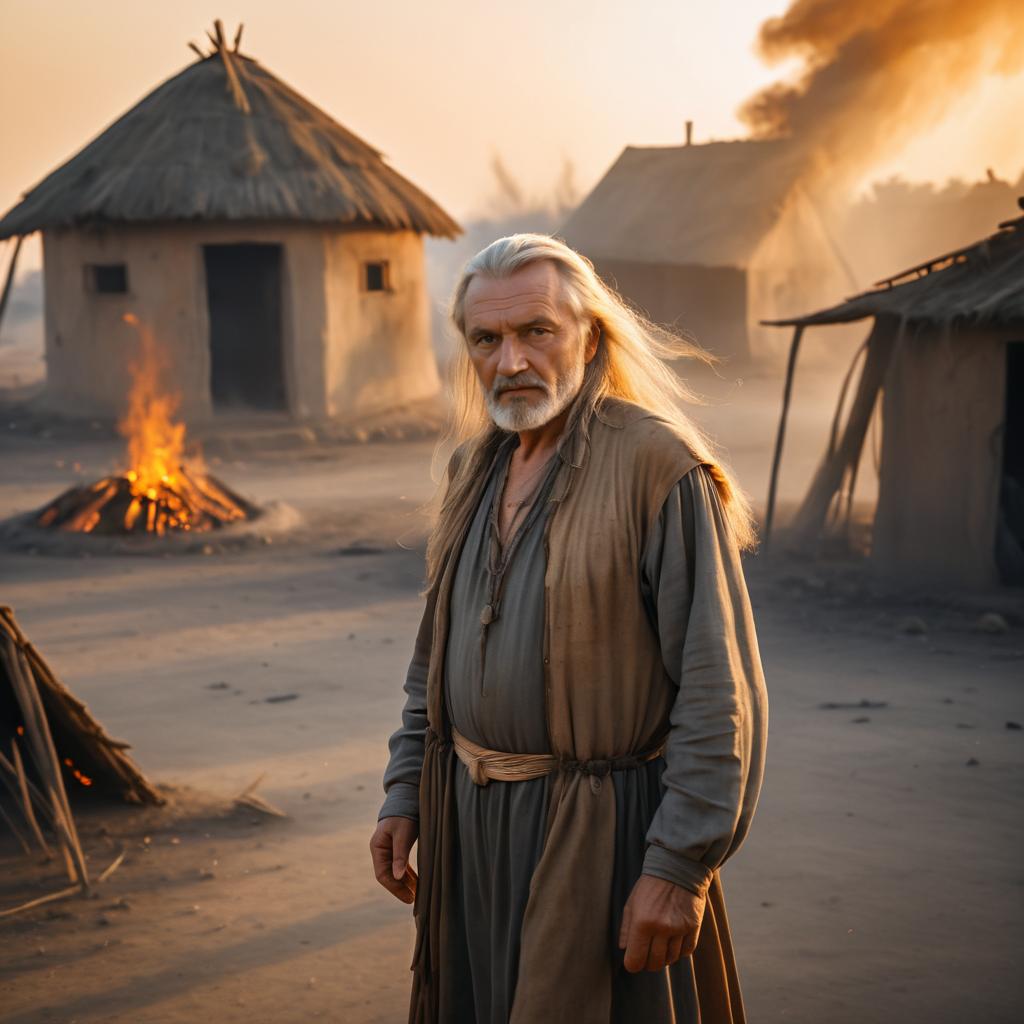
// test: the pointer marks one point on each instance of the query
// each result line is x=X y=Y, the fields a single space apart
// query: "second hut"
x=946 y=354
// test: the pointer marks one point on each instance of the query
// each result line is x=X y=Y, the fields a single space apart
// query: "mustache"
x=520 y=380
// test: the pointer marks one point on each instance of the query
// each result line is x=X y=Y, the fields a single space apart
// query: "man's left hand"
x=660 y=924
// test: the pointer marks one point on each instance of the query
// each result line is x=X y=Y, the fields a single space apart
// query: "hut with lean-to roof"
x=946 y=353
x=276 y=257
x=700 y=236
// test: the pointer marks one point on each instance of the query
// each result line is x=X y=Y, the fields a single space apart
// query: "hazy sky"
x=442 y=85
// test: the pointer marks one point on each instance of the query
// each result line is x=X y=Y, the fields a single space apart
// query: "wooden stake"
x=45 y=755
x=58 y=775
x=9 y=279
x=251 y=788
x=248 y=798
x=26 y=800
x=787 y=393
x=837 y=416
x=66 y=826
x=806 y=530
x=10 y=778
x=254 y=802
x=111 y=868
x=71 y=890
x=17 y=832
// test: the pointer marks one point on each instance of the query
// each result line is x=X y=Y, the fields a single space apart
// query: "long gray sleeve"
x=402 y=775
x=714 y=754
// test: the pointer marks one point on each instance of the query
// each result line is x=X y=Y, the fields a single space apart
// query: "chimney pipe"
x=689 y=133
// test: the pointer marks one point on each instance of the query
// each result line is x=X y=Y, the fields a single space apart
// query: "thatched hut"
x=946 y=352
x=277 y=258
x=695 y=236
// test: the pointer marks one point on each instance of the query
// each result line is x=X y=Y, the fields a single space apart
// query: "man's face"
x=527 y=347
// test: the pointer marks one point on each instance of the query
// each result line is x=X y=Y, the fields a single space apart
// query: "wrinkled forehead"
x=537 y=292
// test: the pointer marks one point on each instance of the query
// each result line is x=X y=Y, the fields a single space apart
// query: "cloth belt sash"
x=484 y=764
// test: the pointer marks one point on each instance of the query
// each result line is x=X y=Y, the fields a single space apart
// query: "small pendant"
x=487 y=616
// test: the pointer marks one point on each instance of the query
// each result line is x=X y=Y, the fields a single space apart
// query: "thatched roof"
x=982 y=283
x=709 y=205
x=226 y=140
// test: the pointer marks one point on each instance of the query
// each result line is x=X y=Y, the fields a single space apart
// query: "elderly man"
x=582 y=742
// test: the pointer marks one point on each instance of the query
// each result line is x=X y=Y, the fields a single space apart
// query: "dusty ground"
x=881 y=881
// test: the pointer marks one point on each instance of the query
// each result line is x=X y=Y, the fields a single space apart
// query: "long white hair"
x=630 y=363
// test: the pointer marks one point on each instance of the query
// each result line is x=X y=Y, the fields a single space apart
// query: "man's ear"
x=594 y=339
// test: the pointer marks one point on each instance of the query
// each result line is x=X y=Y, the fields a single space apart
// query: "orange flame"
x=156 y=443
x=170 y=496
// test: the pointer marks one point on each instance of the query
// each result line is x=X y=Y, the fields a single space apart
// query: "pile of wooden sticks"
x=47 y=798
x=38 y=811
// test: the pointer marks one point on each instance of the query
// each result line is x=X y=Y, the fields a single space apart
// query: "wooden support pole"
x=9 y=278
x=12 y=825
x=787 y=393
x=63 y=894
x=26 y=799
x=809 y=522
x=10 y=773
x=58 y=791
x=837 y=417
x=45 y=758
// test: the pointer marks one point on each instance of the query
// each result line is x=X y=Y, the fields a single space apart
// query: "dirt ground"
x=881 y=881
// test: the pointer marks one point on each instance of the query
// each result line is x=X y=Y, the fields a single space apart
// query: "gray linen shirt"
x=494 y=678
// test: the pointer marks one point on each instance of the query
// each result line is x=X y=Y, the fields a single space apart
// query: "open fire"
x=162 y=490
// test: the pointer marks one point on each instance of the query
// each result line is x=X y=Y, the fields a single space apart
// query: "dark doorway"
x=243 y=291
x=1010 y=531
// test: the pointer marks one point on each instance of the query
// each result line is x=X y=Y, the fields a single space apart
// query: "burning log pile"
x=157 y=493
x=182 y=500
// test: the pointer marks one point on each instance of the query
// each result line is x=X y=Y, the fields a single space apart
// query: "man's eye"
x=484 y=339
x=538 y=331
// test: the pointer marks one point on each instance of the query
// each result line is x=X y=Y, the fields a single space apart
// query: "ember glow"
x=161 y=490
x=80 y=776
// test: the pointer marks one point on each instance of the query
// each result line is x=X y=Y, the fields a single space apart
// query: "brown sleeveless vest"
x=607 y=696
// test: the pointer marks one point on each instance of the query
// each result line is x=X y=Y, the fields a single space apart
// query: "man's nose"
x=511 y=356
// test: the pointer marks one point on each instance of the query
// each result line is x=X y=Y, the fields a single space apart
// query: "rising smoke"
x=876 y=72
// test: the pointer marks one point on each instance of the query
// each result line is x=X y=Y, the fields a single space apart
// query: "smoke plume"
x=876 y=72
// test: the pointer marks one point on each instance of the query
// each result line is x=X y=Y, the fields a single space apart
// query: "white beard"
x=516 y=413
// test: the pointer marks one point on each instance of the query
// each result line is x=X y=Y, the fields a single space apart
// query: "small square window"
x=107 y=278
x=376 y=277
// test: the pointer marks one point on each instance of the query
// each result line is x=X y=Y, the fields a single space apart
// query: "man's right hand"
x=390 y=847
